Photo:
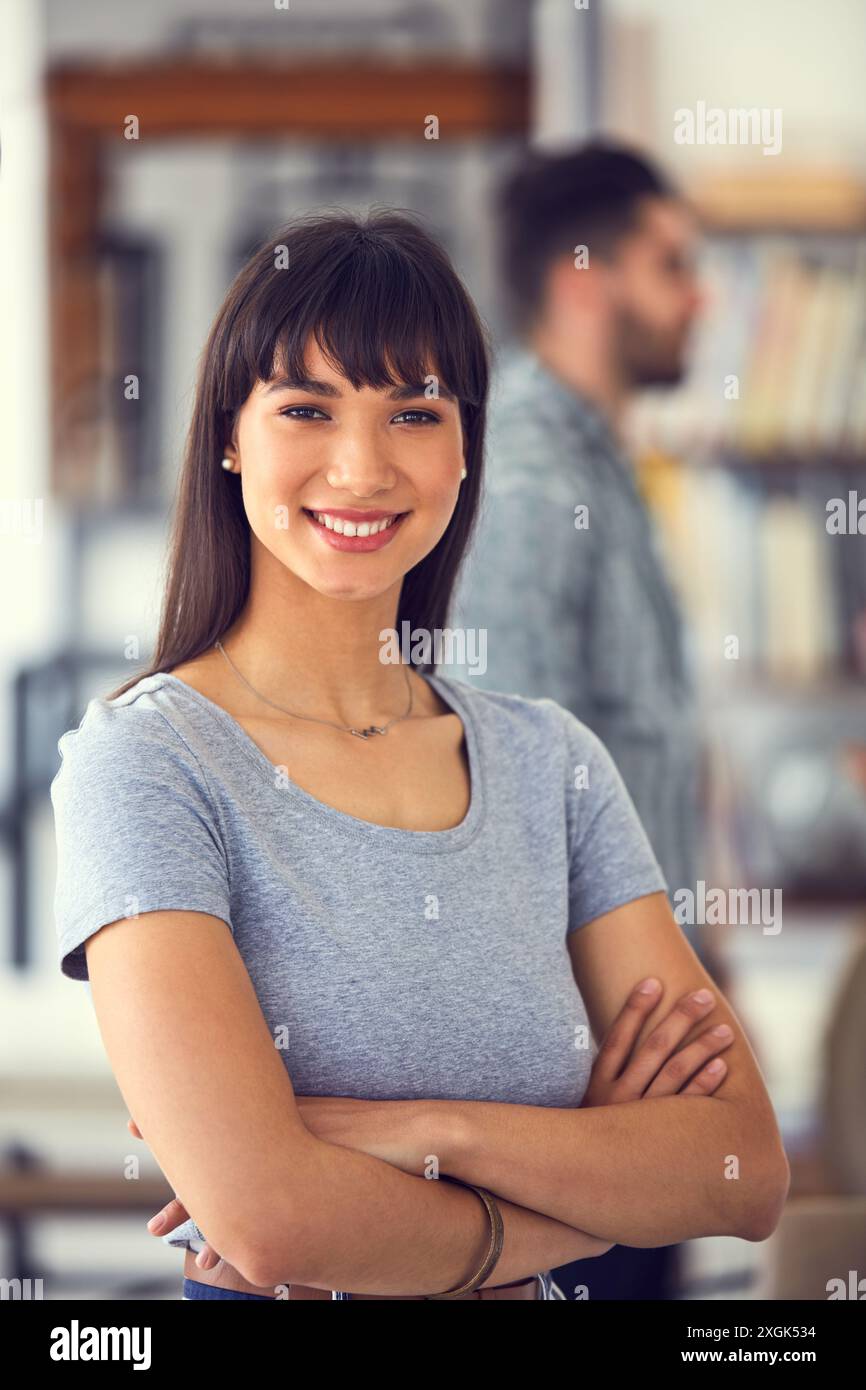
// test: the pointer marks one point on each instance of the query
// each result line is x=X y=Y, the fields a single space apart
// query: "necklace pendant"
x=365 y=733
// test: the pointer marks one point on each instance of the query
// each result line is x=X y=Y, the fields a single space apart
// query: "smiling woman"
x=328 y=968
x=343 y=425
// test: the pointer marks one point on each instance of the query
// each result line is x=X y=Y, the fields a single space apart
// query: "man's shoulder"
x=519 y=390
x=535 y=445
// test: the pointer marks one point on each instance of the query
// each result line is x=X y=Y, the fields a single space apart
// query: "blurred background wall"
x=114 y=255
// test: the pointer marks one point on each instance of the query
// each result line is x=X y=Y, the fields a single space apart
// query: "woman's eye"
x=312 y=412
x=420 y=417
x=305 y=412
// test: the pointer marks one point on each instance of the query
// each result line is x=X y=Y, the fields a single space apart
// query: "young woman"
x=350 y=925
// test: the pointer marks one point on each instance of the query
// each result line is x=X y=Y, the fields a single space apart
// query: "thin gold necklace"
x=359 y=733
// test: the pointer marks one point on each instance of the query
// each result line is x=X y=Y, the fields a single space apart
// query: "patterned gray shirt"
x=577 y=605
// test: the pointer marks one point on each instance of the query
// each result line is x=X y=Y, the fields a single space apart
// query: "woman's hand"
x=659 y=1067
x=393 y=1130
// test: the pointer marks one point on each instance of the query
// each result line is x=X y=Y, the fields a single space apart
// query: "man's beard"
x=649 y=359
x=658 y=374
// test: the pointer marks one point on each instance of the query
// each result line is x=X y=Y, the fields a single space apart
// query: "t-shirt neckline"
x=435 y=841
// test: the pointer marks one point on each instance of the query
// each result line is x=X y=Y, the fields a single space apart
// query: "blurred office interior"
x=115 y=255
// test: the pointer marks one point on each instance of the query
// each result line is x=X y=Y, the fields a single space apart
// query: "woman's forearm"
x=541 y=1242
x=369 y=1227
x=643 y=1173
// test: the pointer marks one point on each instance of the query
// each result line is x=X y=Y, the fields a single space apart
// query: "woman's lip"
x=359 y=544
x=354 y=513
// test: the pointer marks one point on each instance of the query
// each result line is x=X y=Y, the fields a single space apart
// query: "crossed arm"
x=645 y=1172
x=214 y=1104
x=199 y=1072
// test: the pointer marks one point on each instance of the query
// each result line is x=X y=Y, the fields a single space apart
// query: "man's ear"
x=576 y=280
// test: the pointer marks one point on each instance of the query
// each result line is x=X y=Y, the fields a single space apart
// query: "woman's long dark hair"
x=386 y=306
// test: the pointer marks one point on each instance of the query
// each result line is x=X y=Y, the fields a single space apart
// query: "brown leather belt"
x=225 y=1276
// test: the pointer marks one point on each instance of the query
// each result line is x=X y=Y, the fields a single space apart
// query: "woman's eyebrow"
x=404 y=392
x=409 y=391
x=304 y=383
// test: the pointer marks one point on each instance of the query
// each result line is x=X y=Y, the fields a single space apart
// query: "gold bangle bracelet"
x=494 y=1249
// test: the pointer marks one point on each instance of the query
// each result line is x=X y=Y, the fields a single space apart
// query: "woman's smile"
x=351 y=530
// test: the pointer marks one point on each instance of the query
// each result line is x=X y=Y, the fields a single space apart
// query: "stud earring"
x=463 y=473
x=227 y=464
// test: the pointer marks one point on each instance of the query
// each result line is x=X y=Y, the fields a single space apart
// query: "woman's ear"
x=231 y=460
x=230 y=446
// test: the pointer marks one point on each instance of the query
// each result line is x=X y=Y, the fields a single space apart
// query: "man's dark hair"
x=553 y=201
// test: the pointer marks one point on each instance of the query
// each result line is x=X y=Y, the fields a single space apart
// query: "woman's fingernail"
x=723 y=1031
x=201 y=1258
x=715 y=1066
x=649 y=986
x=156 y=1223
x=702 y=996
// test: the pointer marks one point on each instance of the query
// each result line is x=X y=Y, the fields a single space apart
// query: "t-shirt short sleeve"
x=611 y=860
x=136 y=827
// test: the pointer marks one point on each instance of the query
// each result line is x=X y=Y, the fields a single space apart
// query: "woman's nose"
x=361 y=466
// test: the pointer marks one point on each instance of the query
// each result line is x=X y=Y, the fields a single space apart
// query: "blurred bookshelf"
x=804 y=200
x=755 y=469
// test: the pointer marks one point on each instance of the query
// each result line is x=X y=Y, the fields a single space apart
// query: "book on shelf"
x=763 y=586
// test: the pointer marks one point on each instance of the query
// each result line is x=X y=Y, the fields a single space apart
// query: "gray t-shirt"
x=389 y=963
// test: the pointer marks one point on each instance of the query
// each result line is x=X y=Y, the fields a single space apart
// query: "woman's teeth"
x=352 y=528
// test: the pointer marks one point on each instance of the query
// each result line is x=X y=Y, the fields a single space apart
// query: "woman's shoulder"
x=523 y=721
x=123 y=735
x=137 y=829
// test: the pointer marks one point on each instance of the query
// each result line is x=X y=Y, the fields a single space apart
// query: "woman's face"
x=321 y=446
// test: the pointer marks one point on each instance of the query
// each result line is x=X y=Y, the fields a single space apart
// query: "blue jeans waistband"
x=193 y=1289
